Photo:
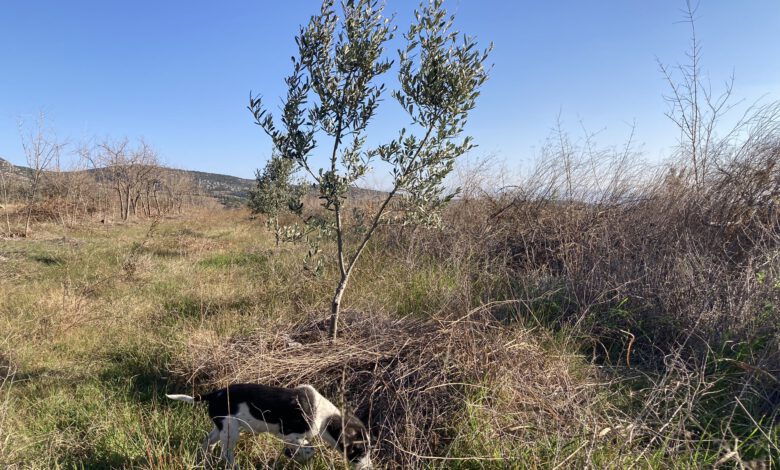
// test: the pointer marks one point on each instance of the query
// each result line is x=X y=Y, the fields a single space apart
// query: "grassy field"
x=97 y=322
x=91 y=319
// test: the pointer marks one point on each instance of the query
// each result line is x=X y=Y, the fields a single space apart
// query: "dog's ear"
x=356 y=442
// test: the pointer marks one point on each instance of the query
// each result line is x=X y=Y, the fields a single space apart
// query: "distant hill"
x=12 y=171
x=231 y=191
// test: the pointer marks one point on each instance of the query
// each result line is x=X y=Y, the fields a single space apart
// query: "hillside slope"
x=231 y=191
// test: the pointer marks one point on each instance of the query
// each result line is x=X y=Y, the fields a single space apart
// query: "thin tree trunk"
x=135 y=203
x=335 y=307
x=127 y=204
x=7 y=218
x=346 y=268
x=30 y=200
x=27 y=223
x=157 y=204
x=121 y=203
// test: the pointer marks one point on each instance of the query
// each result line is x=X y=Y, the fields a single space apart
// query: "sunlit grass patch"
x=89 y=425
x=95 y=345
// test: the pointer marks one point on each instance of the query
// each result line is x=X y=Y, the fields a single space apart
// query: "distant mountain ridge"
x=230 y=190
x=12 y=171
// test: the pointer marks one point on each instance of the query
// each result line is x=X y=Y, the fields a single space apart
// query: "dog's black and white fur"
x=299 y=416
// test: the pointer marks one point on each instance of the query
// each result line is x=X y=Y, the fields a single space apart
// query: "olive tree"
x=337 y=84
x=277 y=192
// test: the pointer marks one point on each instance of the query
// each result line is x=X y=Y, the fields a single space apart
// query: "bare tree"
x=694 y=107
x=41 y=149
x=84 y=193
x=67 y=186
x=128 y=170
x=175 y=189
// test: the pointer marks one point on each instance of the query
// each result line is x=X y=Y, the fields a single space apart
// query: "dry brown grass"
x=458 y=346
x=473 y=376
x=412 y=379
x=671 y=281
x=9 y=446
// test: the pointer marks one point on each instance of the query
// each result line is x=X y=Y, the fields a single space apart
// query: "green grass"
x=226 y=260
x=91 y=340
x=91 y=319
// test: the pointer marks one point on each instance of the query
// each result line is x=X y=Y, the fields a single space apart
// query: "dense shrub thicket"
x=666 y=278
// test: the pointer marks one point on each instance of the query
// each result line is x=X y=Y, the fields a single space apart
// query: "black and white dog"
x=299 y=416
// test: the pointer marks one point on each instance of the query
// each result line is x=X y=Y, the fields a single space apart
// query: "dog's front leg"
x=210 y=441
x=228 y=439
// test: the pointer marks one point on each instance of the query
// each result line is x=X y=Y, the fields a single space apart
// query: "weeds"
x=539 y=334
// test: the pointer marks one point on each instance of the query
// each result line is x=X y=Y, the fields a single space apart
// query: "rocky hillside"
x=230 y=190
x=13 y=172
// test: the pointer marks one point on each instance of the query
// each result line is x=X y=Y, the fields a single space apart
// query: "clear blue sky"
x=179 y=73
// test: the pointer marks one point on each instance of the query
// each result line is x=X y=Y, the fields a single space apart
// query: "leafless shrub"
x=127 y=170
x=69 y=190
x=97 y=182
x=42 y=150
x=674 y=274
x=131 y=181
x=673 y=279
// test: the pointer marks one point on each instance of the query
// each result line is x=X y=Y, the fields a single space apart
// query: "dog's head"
x=352 y=439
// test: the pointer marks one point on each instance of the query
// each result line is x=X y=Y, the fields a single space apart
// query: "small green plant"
x=277 y=192
x=335 y=90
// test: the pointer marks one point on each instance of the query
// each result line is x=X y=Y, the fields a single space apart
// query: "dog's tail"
x=184 y=398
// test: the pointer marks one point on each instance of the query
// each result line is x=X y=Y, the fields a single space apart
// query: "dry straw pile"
x=415 y=381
